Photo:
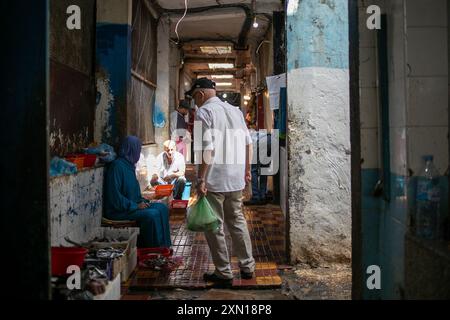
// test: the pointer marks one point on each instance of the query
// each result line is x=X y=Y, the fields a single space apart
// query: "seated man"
x=170 y=166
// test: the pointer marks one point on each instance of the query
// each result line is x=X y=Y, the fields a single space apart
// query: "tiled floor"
x=266 y=226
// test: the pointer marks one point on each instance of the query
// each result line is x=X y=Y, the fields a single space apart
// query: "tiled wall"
x=76 y=206
x=426 y=118
x=418 y=116
x=427 y=83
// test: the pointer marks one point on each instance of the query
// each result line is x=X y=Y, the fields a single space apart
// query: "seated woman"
x=123 y=198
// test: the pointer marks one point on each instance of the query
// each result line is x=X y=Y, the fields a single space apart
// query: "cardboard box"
x=130 y=234
x=129 y=264
x=113 y=290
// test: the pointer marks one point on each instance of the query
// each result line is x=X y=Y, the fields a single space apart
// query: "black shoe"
x=218 y=282
x=246 y=275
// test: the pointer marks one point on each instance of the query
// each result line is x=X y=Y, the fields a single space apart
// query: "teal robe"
x=122 y=196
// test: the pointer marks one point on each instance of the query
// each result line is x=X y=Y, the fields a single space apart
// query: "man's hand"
x=143 y=205
x=201 y=188
x=168 y=178
x=154 y=178
x=248 y=176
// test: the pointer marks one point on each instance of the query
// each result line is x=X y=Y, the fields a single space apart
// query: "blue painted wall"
x=113 y=53
x=318 y=35
x=371 y=211
x=385 y=225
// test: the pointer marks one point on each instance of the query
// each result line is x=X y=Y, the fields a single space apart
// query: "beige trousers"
x=228 y=206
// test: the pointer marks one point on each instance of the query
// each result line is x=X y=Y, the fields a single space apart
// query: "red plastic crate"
x=179 y=204
x=89 y=160
x=164 y=190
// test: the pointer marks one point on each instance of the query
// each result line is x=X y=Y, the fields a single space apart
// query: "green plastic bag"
x=201 y=217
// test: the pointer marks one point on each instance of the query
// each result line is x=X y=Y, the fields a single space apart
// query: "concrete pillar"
x=113 y=72
x=161 y=108
x=319 y=131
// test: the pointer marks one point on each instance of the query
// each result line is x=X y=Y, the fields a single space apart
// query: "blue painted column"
x=113 y=72
x=319 y=131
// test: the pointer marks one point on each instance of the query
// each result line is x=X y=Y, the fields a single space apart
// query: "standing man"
x=179 y=127
x=261 y=147
x=222 y=175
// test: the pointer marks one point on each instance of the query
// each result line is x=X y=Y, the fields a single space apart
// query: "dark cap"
x=184 y=104
x=202 y=83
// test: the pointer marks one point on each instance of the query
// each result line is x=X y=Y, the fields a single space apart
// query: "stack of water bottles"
x=428 y=198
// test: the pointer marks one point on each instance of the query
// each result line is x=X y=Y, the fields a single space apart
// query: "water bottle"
x=427 y=201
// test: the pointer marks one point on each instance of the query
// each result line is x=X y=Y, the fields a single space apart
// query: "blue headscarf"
x=131 y=149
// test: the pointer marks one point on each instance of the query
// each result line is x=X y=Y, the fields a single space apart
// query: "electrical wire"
x=184 y=15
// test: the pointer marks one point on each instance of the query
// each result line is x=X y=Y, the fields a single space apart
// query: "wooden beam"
x=140 y=77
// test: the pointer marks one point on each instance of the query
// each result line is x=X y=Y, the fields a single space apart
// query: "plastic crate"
x=179 y=204
x=164 y=190
x=78 y=160
x=89 y=160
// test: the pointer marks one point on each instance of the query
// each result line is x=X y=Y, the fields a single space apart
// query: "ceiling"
x=227 y=23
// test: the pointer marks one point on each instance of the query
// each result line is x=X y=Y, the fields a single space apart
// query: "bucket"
x=187 y=191
x=153 y=253
x=63 y=257
x=89 y=160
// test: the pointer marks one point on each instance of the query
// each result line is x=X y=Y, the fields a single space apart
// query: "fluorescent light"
x=221 y=65
x=224 y=84
x=222 y=76
x=216 y=49
x=247 y=97
x=255 y=23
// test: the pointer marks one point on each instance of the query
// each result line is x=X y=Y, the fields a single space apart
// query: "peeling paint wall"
x=161 y=110
x=319 y=131
x=113 y=69
x=72 y=88
x=76 y=204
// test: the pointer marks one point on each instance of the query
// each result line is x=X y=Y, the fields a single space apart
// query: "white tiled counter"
x=76 y=204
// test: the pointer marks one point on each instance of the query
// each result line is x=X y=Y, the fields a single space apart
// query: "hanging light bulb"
x=224 y=96
x=255 y=23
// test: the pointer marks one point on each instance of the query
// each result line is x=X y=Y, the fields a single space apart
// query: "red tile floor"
x=267 y=231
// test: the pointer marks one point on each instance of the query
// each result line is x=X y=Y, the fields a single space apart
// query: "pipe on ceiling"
x=246 y=27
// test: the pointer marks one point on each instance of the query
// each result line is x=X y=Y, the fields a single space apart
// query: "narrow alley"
x=331 y=117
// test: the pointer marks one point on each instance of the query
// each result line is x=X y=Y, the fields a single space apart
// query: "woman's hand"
x=143 y=205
